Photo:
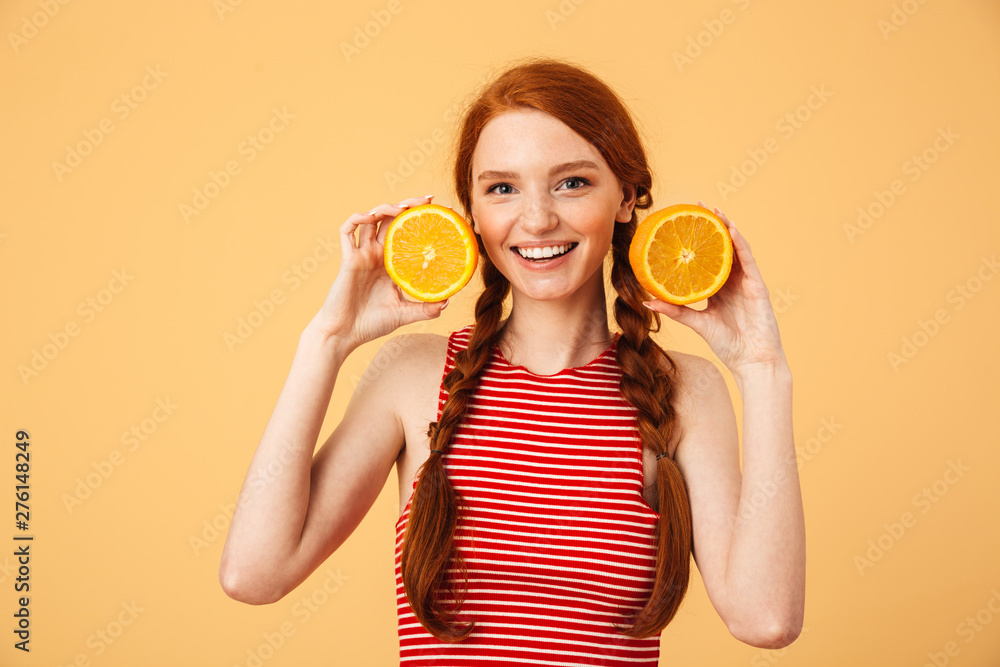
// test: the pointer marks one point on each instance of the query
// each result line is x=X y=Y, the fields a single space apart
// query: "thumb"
x=682 y=314
x=424 y=311
x=434 y=309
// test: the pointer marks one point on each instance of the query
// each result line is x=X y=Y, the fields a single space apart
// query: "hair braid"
x=429 y=530
x=590 y=108
x=649 y=389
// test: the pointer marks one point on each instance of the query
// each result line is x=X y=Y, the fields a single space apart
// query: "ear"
x=472 y=218
x=624 y=213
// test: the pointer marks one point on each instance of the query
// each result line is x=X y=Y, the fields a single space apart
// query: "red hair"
x=594 y=111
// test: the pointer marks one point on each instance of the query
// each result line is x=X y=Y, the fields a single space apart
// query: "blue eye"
x=576 y=179
x=493 y=188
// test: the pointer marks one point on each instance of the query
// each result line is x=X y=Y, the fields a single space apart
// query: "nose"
x=538 y=214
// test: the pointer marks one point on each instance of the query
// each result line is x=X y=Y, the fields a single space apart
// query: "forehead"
x=524 y=138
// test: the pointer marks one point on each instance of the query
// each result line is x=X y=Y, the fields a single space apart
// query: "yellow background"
x=872 y=433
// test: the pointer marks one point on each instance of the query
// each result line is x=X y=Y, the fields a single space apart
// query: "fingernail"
x=648 y=304
x=371 y=212
x=428 y=196
x=445 y=302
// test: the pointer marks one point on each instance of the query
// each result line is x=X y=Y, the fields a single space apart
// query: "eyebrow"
x=566 y=166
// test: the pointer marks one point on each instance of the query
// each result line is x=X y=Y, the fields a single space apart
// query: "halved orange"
x=430 y=252
x=682 y=253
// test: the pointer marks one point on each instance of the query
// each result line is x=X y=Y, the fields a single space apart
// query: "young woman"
x=555 y=478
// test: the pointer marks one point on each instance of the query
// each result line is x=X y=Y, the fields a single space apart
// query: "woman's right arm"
x=295 y=509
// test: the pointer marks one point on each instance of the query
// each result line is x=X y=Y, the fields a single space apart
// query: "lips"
x=541 y=253
x=544 y=263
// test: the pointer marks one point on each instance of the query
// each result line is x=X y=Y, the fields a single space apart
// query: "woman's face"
x=539 y=187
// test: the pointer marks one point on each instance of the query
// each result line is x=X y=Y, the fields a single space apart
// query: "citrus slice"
x=430 y=252
x=681 y=254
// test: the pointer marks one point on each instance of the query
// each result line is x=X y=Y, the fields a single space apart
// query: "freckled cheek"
x=494 y=225
x=492 y=235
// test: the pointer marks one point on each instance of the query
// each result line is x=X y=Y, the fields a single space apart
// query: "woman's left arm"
x=751 y=525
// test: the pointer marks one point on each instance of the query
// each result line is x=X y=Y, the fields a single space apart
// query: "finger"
x=743 y=260
x=395 y=210
x=386 y=211
x=416 y=201
x=685 y=315
x=380 y=217
x=366 y=235
x=730 y=225
x=383 y=228
x=392 y=210
x=425 y=310
x=351 y=224
x=745 y=257
x=733 y=233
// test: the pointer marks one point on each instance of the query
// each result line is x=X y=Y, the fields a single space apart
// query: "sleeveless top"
x=557 y=539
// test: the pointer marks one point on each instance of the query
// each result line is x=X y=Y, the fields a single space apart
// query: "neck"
x=549 y=336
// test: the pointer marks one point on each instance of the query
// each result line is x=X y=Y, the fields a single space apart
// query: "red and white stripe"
x=557 y=539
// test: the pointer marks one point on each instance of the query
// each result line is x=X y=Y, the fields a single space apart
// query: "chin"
x=545 y=294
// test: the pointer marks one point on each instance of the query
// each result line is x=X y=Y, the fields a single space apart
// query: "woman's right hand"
x=364 y=303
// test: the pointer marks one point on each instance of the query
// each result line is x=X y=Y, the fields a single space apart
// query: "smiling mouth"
x=543 y=255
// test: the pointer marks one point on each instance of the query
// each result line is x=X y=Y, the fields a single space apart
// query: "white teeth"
x=539 y=253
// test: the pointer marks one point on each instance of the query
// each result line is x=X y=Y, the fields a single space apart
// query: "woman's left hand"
x=738 y=322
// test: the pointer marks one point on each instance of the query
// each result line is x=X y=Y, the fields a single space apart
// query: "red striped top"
x=558 y=540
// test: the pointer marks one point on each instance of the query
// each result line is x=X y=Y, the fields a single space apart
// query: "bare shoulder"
x=412 y=355
x=407 y=370
x=418 y=362
x=701 y=394
x=695 y=375
x=408 y=356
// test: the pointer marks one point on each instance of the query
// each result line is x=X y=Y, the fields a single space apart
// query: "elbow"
x=247 y=588
x=768 y=632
